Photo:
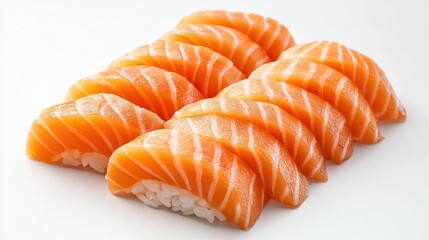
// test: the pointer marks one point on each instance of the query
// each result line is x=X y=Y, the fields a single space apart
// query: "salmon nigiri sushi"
x=265 y=155
x=267 y=32
x=332 y=86
x=327 y=124
x=292 y=133
x=85 y=132
x=238 y=47
x=363 y=71
x=155 y=89
x=206 y=69
x=188 y=173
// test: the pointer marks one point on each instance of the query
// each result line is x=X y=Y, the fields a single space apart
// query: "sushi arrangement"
x=218 y=117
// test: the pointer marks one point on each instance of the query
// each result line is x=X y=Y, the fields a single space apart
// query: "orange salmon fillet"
x=327 y=124
x=364 y=72
x=153 y=88
x=234 y=45
x=96 y=124
x=267 y=32
x=194 y=163
x=206 y=69
x=330 y=85
x=265 y=155
x=295 y=136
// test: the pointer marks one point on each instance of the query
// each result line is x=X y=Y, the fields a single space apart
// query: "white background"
x=380 y=193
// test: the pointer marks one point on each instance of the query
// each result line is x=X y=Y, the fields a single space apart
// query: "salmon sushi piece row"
x=203 y=177
x=273 y=37
x=251 y=140
x=326 y=123
x=85 y=132
x=234 y=45
x=292 y=133
x=206 y=69
x=152 y=88
x=330 y=85
x=264 y=154
x=363 y=71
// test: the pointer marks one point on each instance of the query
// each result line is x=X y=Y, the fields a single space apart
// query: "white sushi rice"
x=96 y=161
x=159 y=194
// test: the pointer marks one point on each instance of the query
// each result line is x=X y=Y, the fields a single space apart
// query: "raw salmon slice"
x=364 y=72
x=86 y=131
x=153 y=88
x=267 y=32
x=264 y=154
x=206 y=69
x=327 y=124
x=238 y=47
x=298 y=139
x=330 y=85
x=193 y=163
